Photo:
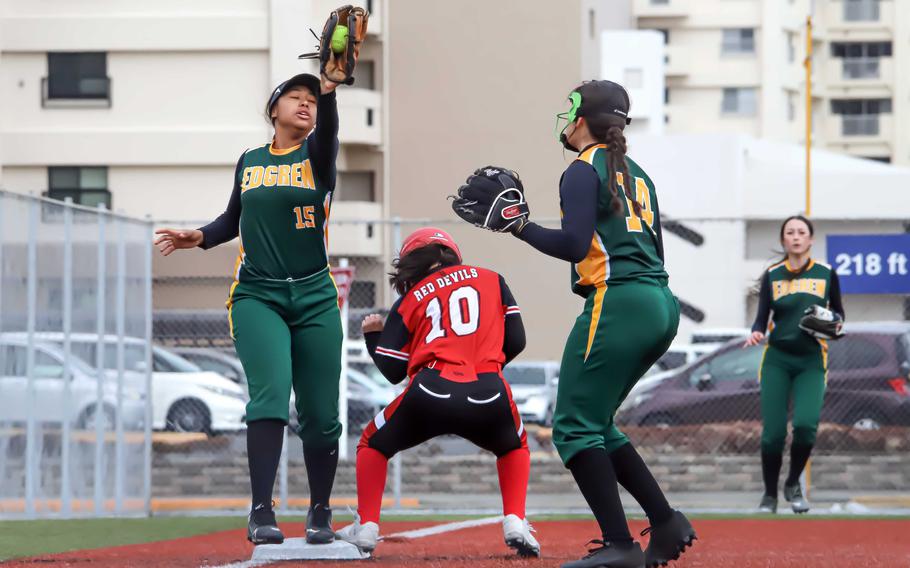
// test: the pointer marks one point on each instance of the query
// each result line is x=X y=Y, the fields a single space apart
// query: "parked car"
x=533 y=385
x=718 y=336
x=184 y=397
x=228 y=366
x=53 y=403
x=867 y=387
x=679 y=355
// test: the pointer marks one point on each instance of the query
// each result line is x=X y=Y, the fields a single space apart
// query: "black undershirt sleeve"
x=578 y=191
x=227 y=225
x=514 y=340
x=764 y=305
x=834 y=298
x=323 y=141
x=387 y=348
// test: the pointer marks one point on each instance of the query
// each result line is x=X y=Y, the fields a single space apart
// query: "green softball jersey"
x=785 y=296
x=625 y=247
x=284 y=215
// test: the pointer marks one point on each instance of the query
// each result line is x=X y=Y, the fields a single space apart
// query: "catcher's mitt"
x=338 y=67
x=822 y=323
x=492 y=198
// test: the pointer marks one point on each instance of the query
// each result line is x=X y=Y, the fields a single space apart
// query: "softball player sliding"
x=283 y=304
x=794 y=362
x=451 y=332
x=611 y=233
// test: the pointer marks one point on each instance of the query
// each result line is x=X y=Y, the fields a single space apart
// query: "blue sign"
x=871 y=264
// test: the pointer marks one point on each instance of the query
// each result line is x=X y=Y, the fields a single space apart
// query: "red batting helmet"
x=428 y=236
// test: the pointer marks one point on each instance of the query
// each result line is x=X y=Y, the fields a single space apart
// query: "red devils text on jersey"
x=453 y=320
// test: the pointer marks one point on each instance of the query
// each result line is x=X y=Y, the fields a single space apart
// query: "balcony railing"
x=860 y=125
x=862 y=67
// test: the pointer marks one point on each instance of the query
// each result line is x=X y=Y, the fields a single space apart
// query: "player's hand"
x=326 y=86
x=170 y=240
x=754 y=339
x=371 y=323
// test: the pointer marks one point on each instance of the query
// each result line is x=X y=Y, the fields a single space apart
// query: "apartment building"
x=146 y=110
x=737 y=66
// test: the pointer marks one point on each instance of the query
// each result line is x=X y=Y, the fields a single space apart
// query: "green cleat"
x=794 y=494
x=768 y=505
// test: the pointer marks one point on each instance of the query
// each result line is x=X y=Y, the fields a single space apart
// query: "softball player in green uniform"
x=611 y=234
x=283 y=305
x=794 y=364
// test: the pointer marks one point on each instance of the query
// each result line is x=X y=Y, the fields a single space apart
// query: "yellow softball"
x=339 y=39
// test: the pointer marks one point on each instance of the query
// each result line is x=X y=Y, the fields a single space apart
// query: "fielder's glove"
x=338 y=67
x=492 y=198
x=822 y=323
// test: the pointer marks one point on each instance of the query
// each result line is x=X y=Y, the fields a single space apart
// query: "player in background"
x=611 y=233
x=794 y=363
x=283 y=305
x=452 y=330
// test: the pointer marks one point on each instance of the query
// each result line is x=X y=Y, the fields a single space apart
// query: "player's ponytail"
x=418 y=264
x=616 y=163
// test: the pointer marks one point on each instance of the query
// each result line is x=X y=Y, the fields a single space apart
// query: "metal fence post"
x=396 y=460
x=99 y=362
x=343 y=453
x=32 y=300
x=147 y=450
x=65 y=482
x=120 y=315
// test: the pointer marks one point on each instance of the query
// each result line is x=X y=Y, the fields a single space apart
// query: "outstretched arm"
x=578 y=191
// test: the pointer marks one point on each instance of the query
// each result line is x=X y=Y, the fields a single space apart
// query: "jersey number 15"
x=463 y=313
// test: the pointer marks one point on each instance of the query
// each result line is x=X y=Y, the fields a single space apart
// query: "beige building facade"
x=737 y=66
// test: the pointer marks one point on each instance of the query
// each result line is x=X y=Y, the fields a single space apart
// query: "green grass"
x=17 y=537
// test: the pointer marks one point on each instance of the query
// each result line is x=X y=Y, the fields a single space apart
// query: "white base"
x=298 y=549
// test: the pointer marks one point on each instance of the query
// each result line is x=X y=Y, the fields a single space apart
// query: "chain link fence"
x=75 y=329
x=695 y=417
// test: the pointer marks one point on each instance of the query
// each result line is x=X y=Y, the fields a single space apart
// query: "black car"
x=868 y=374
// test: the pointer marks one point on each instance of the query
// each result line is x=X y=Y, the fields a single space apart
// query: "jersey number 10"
x=463 y=312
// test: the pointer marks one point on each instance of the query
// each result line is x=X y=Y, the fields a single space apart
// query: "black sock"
x=321 y=464
x=636 y=478
x=263 y=450
x=799 y=455
x=593 y=472
x=770 y=470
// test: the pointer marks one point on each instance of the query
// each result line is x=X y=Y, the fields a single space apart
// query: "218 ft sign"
x=871 y=264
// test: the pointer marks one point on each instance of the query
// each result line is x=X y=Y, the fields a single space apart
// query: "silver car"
x=81 y=407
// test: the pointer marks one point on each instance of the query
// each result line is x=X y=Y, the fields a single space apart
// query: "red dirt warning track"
x=735 y=543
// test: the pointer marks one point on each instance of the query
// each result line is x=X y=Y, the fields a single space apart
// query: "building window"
x=666 y=95
x=861 y=59
x=365 y=74
x=86 y=185
x=791 y=48
x=740 y=101
x=660 y=2
x=666 y=33
x=77 y=77
x=356 y=186
x=860 y=117
x=738 y=41
x=861 y=10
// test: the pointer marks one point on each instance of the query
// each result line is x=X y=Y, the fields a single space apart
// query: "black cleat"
x=319 y=525
x=610 y=555
x=262 y=527
x=668 y=540
x=794 y=494
x=768 y=505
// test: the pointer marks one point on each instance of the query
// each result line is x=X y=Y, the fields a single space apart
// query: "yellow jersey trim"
x=284 y=151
